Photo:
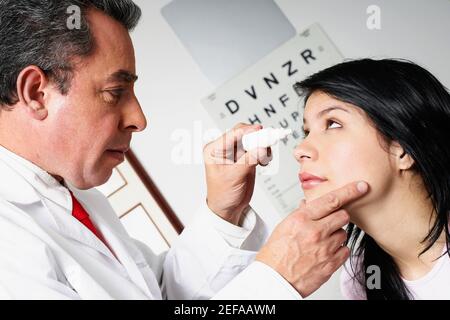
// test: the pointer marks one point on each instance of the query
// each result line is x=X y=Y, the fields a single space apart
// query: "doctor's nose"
x=133 y=118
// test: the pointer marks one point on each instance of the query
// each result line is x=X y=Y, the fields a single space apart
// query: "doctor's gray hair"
x=36 y=32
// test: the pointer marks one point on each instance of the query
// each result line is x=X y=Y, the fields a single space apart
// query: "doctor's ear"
x=402 y=159
x=31 y=83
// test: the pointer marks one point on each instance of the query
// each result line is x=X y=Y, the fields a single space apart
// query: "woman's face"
x=341 y=146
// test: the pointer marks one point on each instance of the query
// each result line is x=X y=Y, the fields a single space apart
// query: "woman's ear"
x=31 y=83
x=402 y=159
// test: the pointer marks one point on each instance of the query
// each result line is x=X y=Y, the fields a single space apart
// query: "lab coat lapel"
x=26 y=187
x=32 y=188
x=29 y=185
x=72 y=228
x=122 y=252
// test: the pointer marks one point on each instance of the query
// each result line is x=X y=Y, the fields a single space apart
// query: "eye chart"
x=264 y=94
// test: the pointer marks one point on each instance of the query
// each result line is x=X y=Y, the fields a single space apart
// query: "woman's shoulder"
x=350 y=283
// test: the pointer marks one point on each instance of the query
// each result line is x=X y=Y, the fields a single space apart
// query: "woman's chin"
x=316 y=192
x=355 y=209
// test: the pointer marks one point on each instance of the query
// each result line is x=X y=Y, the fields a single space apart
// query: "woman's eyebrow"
x=329 y=109
x=325 y=111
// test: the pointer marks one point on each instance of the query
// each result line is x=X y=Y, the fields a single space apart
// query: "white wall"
x=171 y=85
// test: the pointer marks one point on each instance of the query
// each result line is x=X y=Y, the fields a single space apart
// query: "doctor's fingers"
x=324 y=248
x=259 y=156
x=334 y=200
x=229 y=144
x=338 y=259
x=333 y=222
x=334 y=242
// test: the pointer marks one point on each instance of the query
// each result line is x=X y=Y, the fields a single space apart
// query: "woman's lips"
x=309 y=180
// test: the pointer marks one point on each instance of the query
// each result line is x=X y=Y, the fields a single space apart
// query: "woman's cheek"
x=366 y=161
x=346 y=163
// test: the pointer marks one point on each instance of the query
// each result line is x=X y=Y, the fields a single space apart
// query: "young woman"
x=386 y=122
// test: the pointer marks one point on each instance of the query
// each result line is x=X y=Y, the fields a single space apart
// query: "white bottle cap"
x=264 y=138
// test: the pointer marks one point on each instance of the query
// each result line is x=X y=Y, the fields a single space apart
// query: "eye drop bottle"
x=264 y=138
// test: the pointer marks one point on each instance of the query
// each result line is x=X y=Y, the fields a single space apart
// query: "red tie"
x=81 y=214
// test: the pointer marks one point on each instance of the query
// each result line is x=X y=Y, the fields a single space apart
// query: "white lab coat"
x=45 y=253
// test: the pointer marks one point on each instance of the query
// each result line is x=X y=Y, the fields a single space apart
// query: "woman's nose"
x=305 y=151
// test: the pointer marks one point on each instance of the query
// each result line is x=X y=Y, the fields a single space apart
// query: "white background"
x=171 y=85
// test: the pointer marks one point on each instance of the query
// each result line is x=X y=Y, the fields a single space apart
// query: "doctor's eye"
x=112 y=95
x=331 y=124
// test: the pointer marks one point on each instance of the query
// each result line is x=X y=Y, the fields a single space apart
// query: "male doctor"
x=67 y=115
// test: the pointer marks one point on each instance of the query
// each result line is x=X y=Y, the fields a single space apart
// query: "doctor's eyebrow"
x=123 y=76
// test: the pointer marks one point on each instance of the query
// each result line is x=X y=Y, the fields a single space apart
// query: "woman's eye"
x=331 y=124
x=305 y=133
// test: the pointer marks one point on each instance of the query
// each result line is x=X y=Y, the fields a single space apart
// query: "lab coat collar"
x=23 y=182
x=28 y=184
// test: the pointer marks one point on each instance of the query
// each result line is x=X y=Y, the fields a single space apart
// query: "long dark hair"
x=407 y=104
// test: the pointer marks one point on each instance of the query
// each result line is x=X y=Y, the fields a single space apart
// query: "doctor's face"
x=90 y=128
x=341 y=146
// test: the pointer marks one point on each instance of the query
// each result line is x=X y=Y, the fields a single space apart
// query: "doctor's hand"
x=306 y=248
x=230 y=173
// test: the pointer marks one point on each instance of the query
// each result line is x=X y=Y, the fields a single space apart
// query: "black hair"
x=406 y=104
x=36 y=32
